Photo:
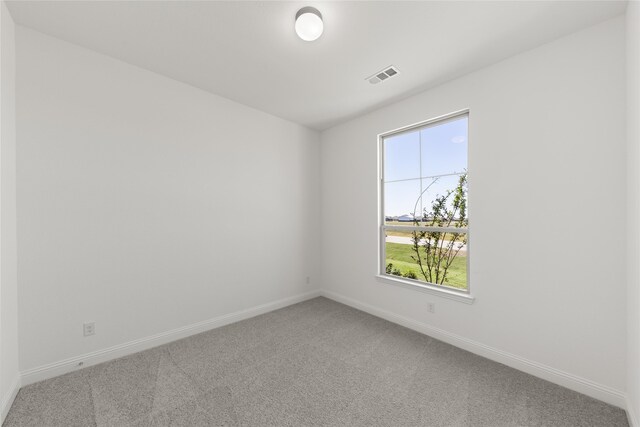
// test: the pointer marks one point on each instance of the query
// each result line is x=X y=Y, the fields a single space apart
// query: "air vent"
x=382 y=75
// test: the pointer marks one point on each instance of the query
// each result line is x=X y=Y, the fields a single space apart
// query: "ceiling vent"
x=383 y=75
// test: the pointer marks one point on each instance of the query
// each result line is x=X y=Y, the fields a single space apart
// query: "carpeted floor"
x=313 y=363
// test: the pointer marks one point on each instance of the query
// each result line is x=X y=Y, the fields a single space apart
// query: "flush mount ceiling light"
x=309 y=23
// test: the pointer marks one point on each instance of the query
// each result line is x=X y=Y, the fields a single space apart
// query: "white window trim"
x=441 y=291
x=464 y=296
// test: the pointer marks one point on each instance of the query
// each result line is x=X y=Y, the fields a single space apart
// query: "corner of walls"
x=633 y=211
x=9 y=397
x=631 y=417
x=9 y=368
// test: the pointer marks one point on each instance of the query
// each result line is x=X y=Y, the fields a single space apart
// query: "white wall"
x=146 y=205
x=133 y=210
x=9 y=377
x=633 y=191
x=547 y=195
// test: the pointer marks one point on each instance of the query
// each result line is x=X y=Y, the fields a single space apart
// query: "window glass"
x=424 y=232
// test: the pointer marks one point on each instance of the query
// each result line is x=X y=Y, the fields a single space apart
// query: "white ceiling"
x=248 y=51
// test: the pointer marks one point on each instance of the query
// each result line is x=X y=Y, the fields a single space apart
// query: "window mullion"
x=409 y=228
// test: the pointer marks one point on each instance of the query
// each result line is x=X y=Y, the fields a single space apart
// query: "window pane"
x=402 y=156
x=444 y=148
x=444 y=259
x=400 y=200
x=436 y=189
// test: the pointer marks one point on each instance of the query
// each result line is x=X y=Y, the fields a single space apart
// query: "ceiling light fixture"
x=309 y=23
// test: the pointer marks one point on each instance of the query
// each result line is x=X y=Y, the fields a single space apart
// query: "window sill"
x=429 y=289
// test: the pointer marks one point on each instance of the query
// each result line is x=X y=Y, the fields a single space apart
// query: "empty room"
x=326 y=213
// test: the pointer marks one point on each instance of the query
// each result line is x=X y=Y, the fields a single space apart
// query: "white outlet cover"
x=89 y=329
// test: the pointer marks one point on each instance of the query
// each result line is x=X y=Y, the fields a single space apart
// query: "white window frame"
x=440 y=290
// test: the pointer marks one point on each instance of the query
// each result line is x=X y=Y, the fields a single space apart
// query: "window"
x=424 y=213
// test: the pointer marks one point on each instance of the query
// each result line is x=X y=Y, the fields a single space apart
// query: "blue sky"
x=417 y=156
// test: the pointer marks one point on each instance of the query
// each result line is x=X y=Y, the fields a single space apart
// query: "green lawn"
x=400 y=256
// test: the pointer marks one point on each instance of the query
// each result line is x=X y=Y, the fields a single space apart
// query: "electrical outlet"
x=431 y=307
x=308 y=280
x=89 y=329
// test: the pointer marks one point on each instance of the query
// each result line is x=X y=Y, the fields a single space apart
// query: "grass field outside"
x=400 y=256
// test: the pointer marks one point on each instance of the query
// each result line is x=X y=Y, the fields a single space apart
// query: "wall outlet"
x=308 y=280
x=431 y=307
x=89 y=329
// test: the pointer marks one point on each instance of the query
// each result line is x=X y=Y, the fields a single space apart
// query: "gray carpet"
x=313 y=363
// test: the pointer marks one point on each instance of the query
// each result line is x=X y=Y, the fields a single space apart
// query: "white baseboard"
x=581 y=385
x=55 y=369
x=565 y=379
x=7 y=401
x=633 y=421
